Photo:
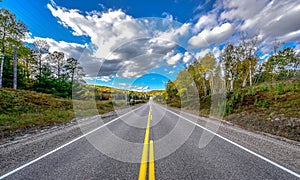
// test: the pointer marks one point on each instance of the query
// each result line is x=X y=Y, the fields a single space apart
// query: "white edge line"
x=240 y=146
x=76 y=139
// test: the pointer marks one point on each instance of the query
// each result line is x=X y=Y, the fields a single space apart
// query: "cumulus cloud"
x=174 y=34
x=172 y=57
x=107 y=30
x=208 y=37
x=121 y=40
x=206 y=21
x=187 y=57
x=236 y=9
x=271 y=19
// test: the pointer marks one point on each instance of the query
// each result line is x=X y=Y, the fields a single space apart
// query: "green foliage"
x=263 y=103
x=280 y=88
x=264 y=88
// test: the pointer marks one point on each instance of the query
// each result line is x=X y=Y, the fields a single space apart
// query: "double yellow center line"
x=144 y=160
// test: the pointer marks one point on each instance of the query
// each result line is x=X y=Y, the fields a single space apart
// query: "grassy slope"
x=22 y=110
x=270 y=108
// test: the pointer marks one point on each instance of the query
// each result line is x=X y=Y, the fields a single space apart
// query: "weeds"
x=264 y=103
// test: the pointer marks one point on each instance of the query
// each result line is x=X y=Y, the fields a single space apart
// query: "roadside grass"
x=27 y=111
x=272 y=108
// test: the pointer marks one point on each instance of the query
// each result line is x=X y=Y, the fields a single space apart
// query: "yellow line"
x=144 y=160
x=151 y=162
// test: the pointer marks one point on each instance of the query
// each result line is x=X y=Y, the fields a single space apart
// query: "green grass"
x=270 y=108
x=22 y=110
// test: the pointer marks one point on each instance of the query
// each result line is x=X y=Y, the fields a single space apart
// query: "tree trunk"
x=40 y=65
x=231 y=84
x=244 y=82
x=72 y=76
x=250 y=71
x=1 y=68
x=15 y=68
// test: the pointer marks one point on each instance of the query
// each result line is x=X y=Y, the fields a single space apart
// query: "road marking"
x=240 y=146
x=151 y=162
x=53 y=151
x=144 y=160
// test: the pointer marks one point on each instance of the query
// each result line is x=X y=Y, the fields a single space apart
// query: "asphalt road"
x=115 y=151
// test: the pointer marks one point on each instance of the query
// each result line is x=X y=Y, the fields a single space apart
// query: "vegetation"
x=37 y=68
x=258 y=96
x=23 y=111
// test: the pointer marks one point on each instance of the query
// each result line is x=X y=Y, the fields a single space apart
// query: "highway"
x=150 y=142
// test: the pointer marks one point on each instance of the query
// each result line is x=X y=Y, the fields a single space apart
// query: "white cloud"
x=272 y=19
x=215 y=50
x=237 y=9
x=172 y=57
x=174 y=34
x=208 y=37
x=206 y=21
x=187 y=57
x=202 y=53
x=121 y=40
x=104 y=78
x=107 y=30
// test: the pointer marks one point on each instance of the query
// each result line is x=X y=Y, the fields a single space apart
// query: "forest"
x=241 y=88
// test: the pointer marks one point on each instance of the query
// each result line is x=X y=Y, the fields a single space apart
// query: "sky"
x=140 y=45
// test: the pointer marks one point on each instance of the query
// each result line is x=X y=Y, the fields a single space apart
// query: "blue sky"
x=139 y=45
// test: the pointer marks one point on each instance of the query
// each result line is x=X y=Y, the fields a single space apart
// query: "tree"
x=73 y=70
x=289 y=60
x=56 y=61
x=230 y=62
x=206 y=67
x=40 y=47
x=171 y=90
x=248 y=49
x=11 y=32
